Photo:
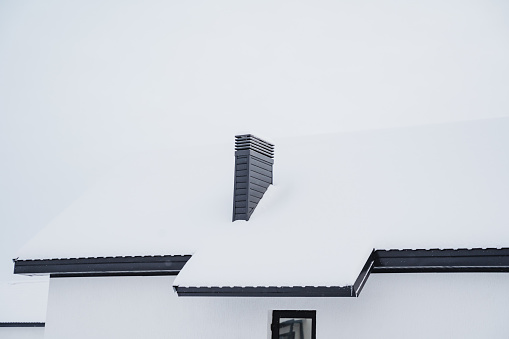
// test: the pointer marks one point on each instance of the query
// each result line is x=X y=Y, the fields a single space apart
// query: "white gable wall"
x=457 y=305
x=22 y=332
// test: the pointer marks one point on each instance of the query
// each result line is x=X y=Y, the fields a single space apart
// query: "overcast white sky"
x=84 y=83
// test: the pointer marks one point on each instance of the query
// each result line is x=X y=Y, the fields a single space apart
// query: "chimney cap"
x=251 y=142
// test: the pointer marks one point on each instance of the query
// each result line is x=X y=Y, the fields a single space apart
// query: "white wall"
x=22 y=332
x=390 y=306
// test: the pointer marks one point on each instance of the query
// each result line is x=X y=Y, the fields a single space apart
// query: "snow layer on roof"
x=159 y=203
x=278 y=257
x=23 y=301
x=335 y=197
x=338 y=196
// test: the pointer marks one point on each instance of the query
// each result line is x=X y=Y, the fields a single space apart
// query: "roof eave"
x=380 y=261
x=103 y=266
x=266 y=291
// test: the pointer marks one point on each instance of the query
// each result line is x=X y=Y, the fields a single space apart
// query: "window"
x=293 y=325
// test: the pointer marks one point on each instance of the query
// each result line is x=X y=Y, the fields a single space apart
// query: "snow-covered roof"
x=23 y=301
x=339 y=196
x=335 y=197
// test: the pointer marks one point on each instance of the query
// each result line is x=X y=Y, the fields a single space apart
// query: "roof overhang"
x=282 y=291
x=103 y=266
x=22 y=324
x=442 y=260
x=266 y=291
x=380 y=261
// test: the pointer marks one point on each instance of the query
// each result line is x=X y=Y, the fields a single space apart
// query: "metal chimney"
x=254 y=158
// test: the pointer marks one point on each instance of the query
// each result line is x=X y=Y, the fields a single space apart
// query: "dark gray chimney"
x=254 y=158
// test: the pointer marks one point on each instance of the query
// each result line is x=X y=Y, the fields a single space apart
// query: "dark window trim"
x=22 y=324
x=278 y=314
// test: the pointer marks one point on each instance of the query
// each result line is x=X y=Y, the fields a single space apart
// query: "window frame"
x=278 y=314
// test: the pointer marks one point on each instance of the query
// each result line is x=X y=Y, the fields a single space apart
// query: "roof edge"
x=265 y=291
x=442 y=260
x=104 y=266
x=379 y=261
x=22 y=324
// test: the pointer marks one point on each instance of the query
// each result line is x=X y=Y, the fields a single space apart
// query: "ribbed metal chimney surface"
x=254 y=158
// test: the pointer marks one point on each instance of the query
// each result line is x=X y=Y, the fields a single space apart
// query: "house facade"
x=415 y=219
x=23 y=309
x=454 y=305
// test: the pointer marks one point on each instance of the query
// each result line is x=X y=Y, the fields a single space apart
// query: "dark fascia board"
x=380 y=261
x=266 y=291
x=442 y=260
x=103 y=266
x=18 y=324
x=364 y=275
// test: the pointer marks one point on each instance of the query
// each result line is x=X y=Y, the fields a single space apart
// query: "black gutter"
x=14 y=324
x=442 y=260
x=103 y=266
x=380 y=261
x=270 y=291
x=113 y=274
